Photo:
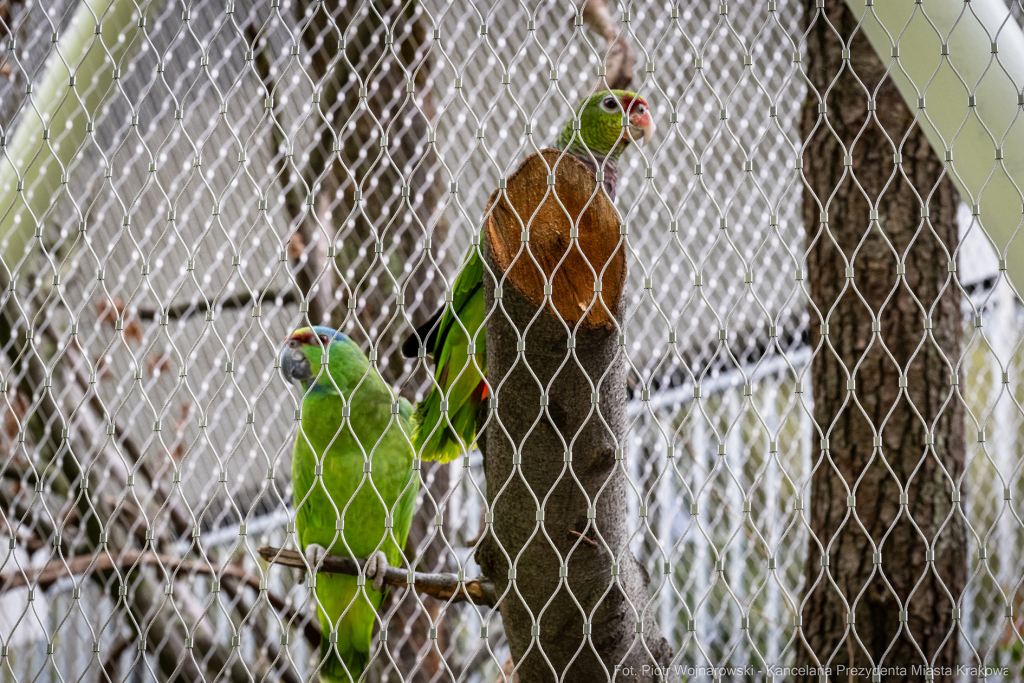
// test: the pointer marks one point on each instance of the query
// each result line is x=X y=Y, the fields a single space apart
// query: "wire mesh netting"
x=183 y=185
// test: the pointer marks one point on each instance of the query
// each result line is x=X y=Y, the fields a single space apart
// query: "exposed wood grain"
x=572 y=266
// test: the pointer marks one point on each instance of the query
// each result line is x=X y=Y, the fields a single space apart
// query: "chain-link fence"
x=184 y=184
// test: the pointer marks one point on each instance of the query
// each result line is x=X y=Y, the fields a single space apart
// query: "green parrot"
x=599 y=143
x=376 y=432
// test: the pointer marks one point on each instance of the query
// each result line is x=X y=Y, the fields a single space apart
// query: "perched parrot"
x=340 y=447
x=599 y=143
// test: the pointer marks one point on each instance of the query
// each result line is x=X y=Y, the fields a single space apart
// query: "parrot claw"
x=376 y=568
x=314 y=553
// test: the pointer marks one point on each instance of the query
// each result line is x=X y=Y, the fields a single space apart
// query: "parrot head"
x=600 y=125
x=301 y=359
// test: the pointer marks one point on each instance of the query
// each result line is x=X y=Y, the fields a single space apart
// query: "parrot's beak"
x=294 y=364
x=641 y=128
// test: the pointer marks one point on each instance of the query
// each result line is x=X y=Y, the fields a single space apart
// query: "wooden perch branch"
x=479 y=591
x=620 y=58
x=233 y=300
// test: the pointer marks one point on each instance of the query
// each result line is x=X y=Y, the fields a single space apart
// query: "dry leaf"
x=132 y=331
x=184 y=410
x=102 y=369
x=109 y=311
x=178 y=451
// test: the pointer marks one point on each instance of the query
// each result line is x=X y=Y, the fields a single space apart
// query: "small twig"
x=197 y=306
x=620 y=58
x=53 y=571
x=586 y=540
x=479 y=591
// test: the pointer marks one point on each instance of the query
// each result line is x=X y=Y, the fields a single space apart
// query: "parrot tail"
x=434 y=438
x=334 y=670
x=344 y=660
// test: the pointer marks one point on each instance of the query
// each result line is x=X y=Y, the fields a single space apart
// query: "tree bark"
x=848 y=461
x=542 y=482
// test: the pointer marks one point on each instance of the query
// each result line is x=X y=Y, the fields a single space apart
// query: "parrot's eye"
x=609 y=105
x=294 y=343
x=323 y=339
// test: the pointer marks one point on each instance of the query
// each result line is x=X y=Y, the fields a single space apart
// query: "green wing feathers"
x=444 y=435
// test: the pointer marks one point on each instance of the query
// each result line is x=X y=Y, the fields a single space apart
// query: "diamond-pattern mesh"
x=216 y=160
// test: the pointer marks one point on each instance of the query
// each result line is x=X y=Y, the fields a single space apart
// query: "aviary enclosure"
x=754 y=415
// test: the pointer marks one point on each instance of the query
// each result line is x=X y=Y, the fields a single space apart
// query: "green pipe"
x=56 y=117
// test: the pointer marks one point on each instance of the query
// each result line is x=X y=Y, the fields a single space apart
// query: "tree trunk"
x=60 y=105
x=383 y=211
x=855 y=506
x=542 y=482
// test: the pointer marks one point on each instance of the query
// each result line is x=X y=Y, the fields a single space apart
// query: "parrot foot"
x=376 y=568
x=314 y=554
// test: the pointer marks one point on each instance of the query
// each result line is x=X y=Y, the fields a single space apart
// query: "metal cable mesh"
x=239 y=146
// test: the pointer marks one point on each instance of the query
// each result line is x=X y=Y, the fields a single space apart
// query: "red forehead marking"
x=304 y=335
x=628 y=102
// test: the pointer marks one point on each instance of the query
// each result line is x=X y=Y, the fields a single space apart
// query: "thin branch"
x=37 y=529
x=53 y=571
x=479 y=591
x=620 y=59
x=46 y=576
x=179 y=518
x=198 y=306
x=143 y=601
x=588 y=541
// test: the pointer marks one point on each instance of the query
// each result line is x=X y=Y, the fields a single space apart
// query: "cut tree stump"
x=598 y=254
x=555 y=435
